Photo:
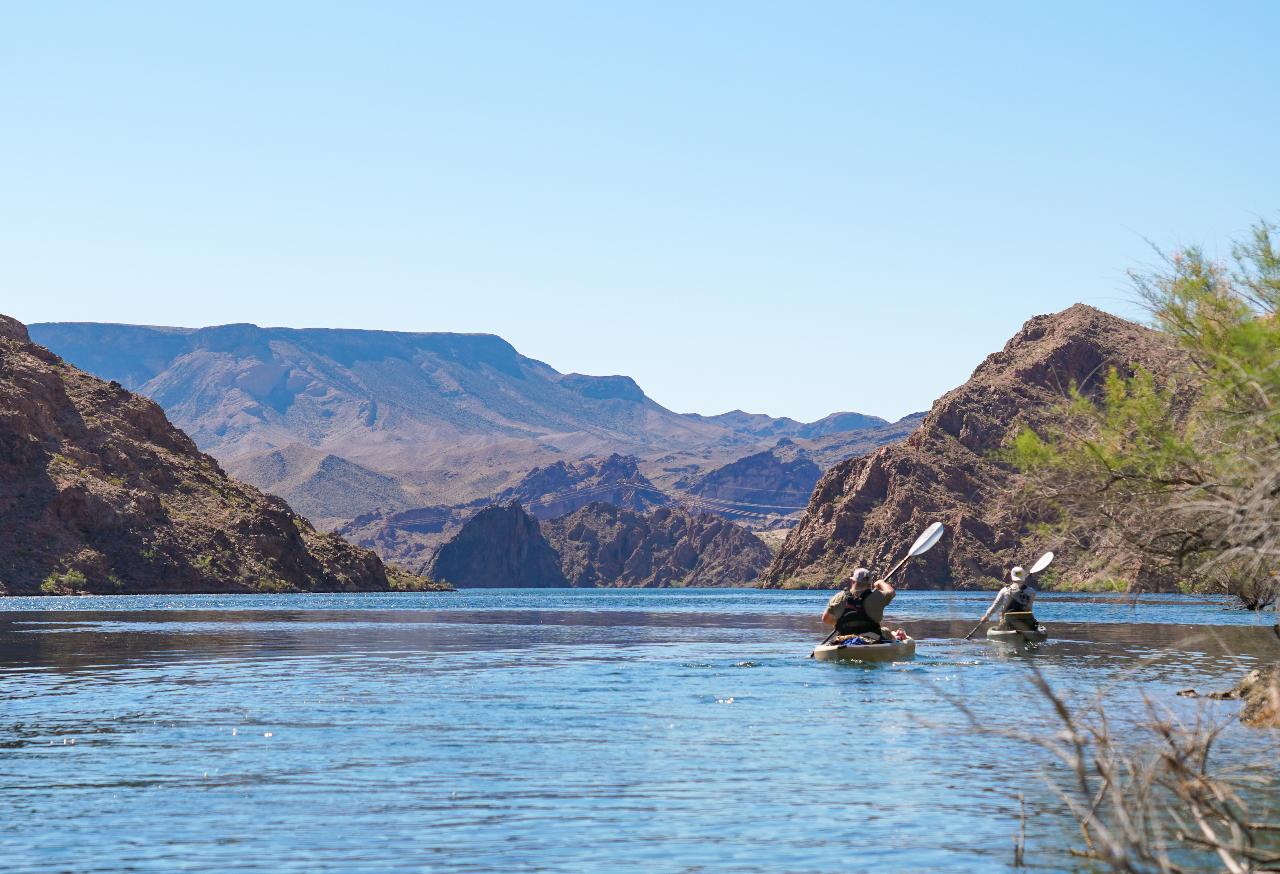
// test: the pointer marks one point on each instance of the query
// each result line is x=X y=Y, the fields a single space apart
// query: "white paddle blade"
x=928 y=540
x=1042 y=562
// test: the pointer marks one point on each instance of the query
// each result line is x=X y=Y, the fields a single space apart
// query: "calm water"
x=618 y=730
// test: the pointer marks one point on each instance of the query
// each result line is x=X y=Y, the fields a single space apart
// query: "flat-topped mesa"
x=100 y=493
x=867 y=510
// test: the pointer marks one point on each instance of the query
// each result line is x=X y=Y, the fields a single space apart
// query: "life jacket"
x=854 y=619
x=1019 y=602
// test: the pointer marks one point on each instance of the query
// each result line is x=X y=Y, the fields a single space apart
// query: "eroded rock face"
x=599 y=545
x=500 y=546
x=562 y=487
x=774 y=482
x=868 y=510
x=100 y=493
x=603 y=545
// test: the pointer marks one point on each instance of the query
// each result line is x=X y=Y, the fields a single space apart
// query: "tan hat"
x=861 y=579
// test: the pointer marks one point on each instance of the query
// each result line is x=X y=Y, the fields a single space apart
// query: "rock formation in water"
x=603 y=545
x=410 y=537
x=867 y=510
x=100 y=493
x=599 y=545
x=499 y=546
x=1260 y=692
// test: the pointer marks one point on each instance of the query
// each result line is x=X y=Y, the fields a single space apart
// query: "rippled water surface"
x=519 y=730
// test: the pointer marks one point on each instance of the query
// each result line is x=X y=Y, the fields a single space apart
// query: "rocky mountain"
x=602 y=545
x=500 y=546
x=867 y=510
x=447 y=416
x=562 y=487
x=326 y=488
x=756 y=426
x=762 y=490
x=100 y=493
x=777 y=481
x=832 y=448
x=410 y=537
x=599 y=545
x=349 y=423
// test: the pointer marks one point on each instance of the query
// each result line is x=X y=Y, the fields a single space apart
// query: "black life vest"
x=1019 y=602
x=854 y=619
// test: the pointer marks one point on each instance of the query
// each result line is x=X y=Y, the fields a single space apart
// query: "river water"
x=575 y=730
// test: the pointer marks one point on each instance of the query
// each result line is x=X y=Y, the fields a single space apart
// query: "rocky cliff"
x=499 y=546
x=562 y=487
x=867 y=510
x=599 y=545
x=775 y=482
x=100 y=493
x=410 y=537
x=603 y=545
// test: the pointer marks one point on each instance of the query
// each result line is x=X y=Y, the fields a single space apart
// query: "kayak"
x=866 y=652
x=1008 y=635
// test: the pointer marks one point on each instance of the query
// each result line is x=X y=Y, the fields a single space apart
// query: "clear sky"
x=790 y=208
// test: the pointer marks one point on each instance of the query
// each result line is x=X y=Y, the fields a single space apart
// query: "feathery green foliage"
x=1187 y=471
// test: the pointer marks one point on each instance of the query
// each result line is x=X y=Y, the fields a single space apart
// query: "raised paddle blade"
x=1042 y=562
x=927 y=541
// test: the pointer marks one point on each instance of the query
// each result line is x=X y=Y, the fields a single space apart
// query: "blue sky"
x=790 y=208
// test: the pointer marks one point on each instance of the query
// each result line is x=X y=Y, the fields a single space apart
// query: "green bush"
x=1183 y=473
x=64 y=582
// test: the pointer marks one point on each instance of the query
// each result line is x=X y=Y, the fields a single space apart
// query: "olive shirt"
x=874 y=604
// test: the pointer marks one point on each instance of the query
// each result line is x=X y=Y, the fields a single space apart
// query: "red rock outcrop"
x=100 y=493
x=867 y=510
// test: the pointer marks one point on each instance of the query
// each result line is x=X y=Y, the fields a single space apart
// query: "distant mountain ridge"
x=344 y=423
x=240 y=388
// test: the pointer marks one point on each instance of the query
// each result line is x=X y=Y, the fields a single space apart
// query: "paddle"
x=1041 y=563
x=925 y=542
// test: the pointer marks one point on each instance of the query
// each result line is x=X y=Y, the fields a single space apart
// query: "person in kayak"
x=859 y=609
x=1014 y=602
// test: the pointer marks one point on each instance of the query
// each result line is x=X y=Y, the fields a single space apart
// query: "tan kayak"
x=1008 y=635
x=866 y=652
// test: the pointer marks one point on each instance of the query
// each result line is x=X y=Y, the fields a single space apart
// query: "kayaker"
x=859 y=608
x=1014 y=602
